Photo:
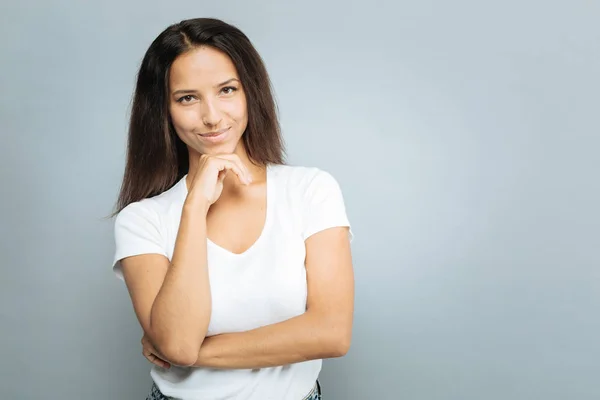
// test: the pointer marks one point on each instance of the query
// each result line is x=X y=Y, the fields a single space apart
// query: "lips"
x=215 y=137
x=214 y=133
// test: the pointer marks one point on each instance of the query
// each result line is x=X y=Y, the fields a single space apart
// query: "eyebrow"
x=185 y=91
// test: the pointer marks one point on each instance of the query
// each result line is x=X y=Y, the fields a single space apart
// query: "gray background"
x=465 y=137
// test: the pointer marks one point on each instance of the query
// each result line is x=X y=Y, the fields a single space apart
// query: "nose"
x=210 y=114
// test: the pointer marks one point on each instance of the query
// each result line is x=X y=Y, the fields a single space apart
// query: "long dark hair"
x=156 y=157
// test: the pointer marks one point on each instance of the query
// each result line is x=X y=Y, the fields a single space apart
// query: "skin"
x=172 y=300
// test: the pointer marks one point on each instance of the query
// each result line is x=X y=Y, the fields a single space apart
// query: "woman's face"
x=207 y=103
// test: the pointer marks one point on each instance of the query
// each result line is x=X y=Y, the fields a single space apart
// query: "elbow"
x=336 y=335
x=178 y=353
x=339 y=343
x=180 y=356
x=341 y=348
x=178 y=348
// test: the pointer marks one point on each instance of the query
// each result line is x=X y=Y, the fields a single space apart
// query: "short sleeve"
x=324 y=205
x=137 y=231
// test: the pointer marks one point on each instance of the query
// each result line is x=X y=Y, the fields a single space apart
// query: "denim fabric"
x=314 y=394
x=155 y=394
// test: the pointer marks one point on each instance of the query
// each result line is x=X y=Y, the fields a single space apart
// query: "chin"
x=223 y=148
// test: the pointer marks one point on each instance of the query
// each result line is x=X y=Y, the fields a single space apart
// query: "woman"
x=238 y=266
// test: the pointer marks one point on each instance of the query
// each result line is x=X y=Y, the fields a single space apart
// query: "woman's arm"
x=173 y=301
x=323 y=331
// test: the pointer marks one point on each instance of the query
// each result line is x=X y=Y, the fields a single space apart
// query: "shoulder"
x=137 y=220
x=317 y=196
x=303 y=180
x=153 y=209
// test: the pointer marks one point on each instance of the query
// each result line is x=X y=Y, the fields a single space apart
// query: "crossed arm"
x=323 y=331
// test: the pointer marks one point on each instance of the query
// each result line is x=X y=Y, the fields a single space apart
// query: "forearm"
x=306 y=337
x=181 y=311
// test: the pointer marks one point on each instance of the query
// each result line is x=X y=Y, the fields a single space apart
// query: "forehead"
x=202 y=66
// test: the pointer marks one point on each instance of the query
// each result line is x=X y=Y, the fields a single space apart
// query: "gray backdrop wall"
x=465 y=136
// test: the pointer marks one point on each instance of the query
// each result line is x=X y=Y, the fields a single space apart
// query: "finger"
x=156 y=360
x=231 y=165
x=222 y=176
x=236 y=159
x=151 y=351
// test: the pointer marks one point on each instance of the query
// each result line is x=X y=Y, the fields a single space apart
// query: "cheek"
x=239 y=111
x=183 y=119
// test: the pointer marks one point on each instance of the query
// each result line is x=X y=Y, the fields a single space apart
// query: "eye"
x=228 y=89
x=185 y=99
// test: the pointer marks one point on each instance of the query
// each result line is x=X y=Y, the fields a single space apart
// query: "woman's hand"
x=207 y=182
x=151 y=354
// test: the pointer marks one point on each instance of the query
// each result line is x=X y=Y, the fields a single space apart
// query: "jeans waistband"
x=314 y=394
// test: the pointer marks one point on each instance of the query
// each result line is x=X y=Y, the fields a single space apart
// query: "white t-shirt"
x=264 y=285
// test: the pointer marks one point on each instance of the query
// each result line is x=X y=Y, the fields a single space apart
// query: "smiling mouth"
x=214 y=134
